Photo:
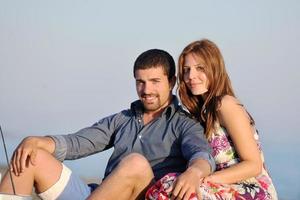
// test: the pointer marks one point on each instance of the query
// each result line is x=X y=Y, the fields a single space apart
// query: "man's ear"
x=172 y=82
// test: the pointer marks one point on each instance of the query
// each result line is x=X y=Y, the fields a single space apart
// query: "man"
x=152 y=138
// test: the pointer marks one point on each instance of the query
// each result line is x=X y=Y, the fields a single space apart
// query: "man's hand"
x=27 y=150
x=188 y=182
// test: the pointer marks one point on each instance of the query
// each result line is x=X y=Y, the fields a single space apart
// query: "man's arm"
x=197 y=151
x=194 y=145
x=82 y=143
x=90 y=140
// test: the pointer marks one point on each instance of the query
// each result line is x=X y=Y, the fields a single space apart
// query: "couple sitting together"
x=161 y=151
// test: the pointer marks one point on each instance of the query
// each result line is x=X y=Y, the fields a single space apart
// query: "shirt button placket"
x=140 y=122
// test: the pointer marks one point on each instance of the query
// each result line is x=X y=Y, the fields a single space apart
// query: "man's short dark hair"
x=156 y=58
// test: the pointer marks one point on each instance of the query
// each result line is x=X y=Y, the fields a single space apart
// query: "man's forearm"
x=202 y=167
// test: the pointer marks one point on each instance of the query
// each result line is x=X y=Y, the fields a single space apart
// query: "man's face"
x=153 y=88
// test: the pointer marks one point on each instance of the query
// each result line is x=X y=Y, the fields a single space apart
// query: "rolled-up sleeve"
x=194 y=145
x=86 y=141
x=60 y=147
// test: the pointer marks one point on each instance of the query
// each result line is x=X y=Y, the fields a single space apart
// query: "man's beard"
x=151 y=106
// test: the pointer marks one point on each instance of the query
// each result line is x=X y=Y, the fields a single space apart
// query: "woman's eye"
x=186 y=69
x=200 y=68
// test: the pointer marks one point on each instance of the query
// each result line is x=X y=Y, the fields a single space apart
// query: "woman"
x=205 y=90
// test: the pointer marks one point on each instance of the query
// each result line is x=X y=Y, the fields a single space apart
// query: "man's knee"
x=135 y=164
x=47 y=170
x=45 y=161
x=43 y=157
x=135 y=160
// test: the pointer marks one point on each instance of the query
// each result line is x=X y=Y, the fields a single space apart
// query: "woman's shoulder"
x=229 y=101
x=230 y=108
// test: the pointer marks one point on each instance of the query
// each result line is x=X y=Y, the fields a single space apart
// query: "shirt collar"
x=137 y=107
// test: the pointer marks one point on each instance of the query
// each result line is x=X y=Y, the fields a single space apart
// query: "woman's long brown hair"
x=219 y=83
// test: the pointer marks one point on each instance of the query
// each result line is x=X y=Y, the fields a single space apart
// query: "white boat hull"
x=14 y=197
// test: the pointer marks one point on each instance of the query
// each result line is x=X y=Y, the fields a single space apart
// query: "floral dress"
x=260 y=187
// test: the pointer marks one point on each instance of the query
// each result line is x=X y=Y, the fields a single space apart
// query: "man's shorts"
x=69 y=186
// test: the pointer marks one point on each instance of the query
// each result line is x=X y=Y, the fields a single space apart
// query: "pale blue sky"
x=66 y=64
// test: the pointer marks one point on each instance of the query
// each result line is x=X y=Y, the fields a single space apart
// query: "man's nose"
x=147 y=88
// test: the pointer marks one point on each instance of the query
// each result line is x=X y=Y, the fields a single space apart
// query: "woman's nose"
x=191 y=74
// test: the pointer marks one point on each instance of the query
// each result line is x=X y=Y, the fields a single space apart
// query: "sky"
x=66 y=64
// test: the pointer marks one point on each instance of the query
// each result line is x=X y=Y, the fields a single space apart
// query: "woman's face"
x=194 y=74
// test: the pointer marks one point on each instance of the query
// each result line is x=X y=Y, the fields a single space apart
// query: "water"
x=283 y=164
